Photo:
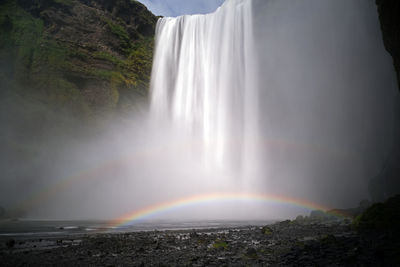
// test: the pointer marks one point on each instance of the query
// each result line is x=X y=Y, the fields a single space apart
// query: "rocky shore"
x=288 y=243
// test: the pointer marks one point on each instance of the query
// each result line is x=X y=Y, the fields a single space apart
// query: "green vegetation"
x=35 y=60
x=65 y=65
x=266 y=230
x=140 y=60
x=120 y=32
x=220 y=244
x=381 y=217
x=21 y=34
x=83 y=77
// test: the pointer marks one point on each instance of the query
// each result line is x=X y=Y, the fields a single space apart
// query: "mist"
x=329 y=97
x=325 y=109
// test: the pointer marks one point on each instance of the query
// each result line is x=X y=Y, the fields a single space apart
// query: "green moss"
x=109 y=57
x=120 y=32
x=56 y=71
x=220 y=244
x=51 y=55
x=39 y=62
x=99 y=73
x=140 y=62
x=266 y=230
x=26 y=30
x=79 y=54
x=382 y=217
x=23 y=37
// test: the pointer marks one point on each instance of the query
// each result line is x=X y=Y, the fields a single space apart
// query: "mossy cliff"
x=380 y=223
x=89 y=56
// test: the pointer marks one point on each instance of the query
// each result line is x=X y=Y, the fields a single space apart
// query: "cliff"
x=387 y=182
x=389 y=11
x=91 y=56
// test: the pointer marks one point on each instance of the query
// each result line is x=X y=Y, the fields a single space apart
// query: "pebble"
x=282 y=244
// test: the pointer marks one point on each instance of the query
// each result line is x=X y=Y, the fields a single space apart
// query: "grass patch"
x=266 y=230
x=109 y=57
x=220 y=244
x=119 y=31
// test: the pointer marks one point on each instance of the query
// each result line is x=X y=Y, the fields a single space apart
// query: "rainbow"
x=44 y=194
x=155 y=209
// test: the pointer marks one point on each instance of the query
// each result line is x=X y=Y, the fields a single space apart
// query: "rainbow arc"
x=155 y=209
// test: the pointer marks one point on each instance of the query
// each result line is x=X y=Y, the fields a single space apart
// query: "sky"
x=173 y=8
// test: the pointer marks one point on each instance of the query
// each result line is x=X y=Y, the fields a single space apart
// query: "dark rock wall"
x=389 y=16
x=387 y=183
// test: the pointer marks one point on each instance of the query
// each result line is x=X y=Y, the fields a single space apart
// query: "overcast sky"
x=173 y=8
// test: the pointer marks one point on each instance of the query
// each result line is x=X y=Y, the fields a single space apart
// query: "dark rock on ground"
x=288 y=244
x=10 y=243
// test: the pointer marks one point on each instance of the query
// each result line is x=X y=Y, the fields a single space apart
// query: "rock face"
x=387 y=182
x=67 y=67
x=94 y=55
x=381 y=217
x=389 y=11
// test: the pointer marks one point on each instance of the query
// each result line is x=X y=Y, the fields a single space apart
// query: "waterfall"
x=204 y=82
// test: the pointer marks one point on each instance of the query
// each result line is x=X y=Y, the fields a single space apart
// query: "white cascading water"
x=204 y=82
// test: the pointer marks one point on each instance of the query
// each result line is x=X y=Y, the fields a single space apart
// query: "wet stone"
x=285 y=244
